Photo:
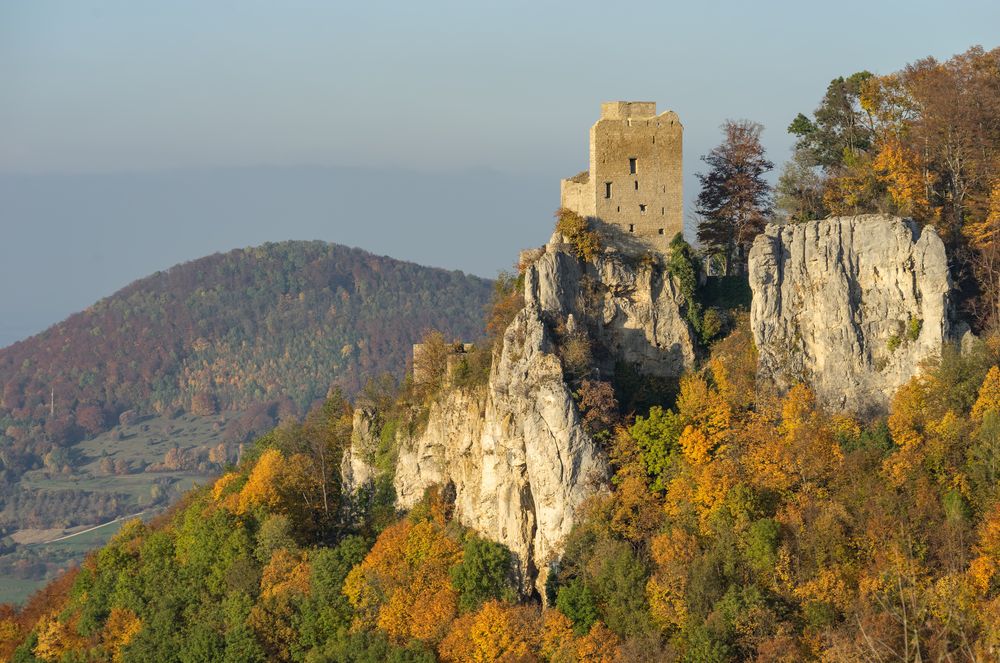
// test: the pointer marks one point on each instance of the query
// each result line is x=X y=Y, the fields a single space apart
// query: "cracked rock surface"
x=851 y=305
x=515 y=450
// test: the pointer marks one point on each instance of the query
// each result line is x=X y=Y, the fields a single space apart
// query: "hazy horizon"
x=136 y=135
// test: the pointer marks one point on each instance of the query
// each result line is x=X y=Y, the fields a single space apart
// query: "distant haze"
x=89 y=235
x=136 y=134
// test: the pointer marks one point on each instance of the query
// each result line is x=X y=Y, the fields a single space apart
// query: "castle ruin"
x=632 y=191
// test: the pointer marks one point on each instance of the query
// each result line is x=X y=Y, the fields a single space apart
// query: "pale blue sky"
x=430 y=92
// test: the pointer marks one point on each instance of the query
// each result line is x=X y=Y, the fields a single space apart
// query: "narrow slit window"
x=619 y=208
x=607 y=189
x=637 y=185
x=642 y=209
x=663 y=211
x=631 y=227
x=631 y=165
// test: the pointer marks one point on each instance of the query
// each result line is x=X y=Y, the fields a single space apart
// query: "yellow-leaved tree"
x=989 y=395
x=263 y=486
x=559 y=644
x=122 y=626
x=403 y=584
x=284 y=581
x=55 y=639
x=496 y=632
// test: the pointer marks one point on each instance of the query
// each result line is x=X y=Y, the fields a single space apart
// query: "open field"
x=59 y=555
x=34 y=556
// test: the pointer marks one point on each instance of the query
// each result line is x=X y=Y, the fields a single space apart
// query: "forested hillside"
x=737 y=520
x=741 y=525
x=255 y=334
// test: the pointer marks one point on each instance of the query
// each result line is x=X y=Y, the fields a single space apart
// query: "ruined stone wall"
x=634 y=185
x=577 y=194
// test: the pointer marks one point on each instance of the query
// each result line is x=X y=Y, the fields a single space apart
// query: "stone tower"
x=633 y=188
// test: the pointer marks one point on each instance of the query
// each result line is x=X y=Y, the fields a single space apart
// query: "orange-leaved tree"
x=403 y=584
x=496 y=632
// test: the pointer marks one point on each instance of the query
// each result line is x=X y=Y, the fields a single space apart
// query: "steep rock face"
x=852 y=305
x=515 y=450
x=630 y=306
x=357 y=469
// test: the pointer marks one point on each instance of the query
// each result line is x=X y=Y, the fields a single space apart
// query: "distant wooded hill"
x=279 y=322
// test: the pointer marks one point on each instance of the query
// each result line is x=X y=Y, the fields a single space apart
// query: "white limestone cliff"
x=852 y=305
x=514 y=449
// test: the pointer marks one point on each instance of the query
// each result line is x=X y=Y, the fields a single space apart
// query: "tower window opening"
x=631 y=165
x=662 y=210
x=631 y=227
x=619 y=208
x=637 y=185
x=607 y=189
x=661 y=231
x=642 y=209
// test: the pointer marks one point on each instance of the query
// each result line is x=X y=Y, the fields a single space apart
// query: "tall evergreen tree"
x=735 y=201
x=840 y=127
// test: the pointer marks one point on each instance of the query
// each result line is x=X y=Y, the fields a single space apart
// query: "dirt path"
x=89 y=529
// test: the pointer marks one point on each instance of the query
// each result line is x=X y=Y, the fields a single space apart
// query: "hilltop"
x=98 y=410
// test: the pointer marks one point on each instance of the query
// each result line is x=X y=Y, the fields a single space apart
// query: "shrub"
x=762 y=545
x=586 y=242
x=682 y=266
x=657 y=436
x=576 y=601
x=486 y=572
x=507 y=301
x=598 y=406
x=712 y=324
x=576 y=352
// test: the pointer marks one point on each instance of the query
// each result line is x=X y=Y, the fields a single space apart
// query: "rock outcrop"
x=851 y=305
x=629 y=305
x=514 y=449
x=357 y=468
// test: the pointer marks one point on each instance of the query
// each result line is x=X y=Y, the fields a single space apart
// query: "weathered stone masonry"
x=633 y=187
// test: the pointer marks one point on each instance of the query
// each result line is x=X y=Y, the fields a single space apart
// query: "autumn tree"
x=958 y=127
x=430 y=358
x=284 y=584
x=496 y=632
x=561 y=644
x=735 y=200
x=983 y=237
x=403 y=584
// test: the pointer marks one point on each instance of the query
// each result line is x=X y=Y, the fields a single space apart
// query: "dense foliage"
x=263 y=330
x=922 y=142
x=740 y=524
